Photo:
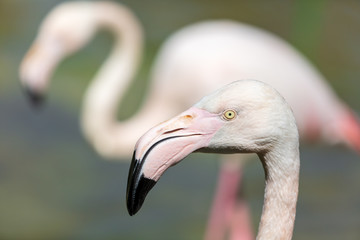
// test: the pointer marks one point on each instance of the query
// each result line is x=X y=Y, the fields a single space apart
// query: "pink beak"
x=164 y=146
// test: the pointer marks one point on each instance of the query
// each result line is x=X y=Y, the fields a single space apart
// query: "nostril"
x=174 y=130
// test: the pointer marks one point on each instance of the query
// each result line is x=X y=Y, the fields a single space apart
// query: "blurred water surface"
x=54 y=186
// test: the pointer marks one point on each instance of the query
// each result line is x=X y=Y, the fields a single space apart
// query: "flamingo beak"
x=35 y=98
x=36 y=69
x=164 y=146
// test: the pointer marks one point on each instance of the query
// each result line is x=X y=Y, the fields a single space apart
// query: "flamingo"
x=201 y=56
x=242 y=117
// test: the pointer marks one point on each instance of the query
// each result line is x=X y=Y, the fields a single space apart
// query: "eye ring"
x=229 y=114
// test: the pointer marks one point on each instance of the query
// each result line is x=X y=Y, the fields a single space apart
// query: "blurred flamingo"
x=192 y=63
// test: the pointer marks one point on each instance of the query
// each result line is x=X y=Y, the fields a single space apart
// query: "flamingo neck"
x=112 y=80
x=281 y=191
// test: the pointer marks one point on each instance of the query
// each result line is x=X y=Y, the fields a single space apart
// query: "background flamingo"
x=242 y=117
x=103 y=127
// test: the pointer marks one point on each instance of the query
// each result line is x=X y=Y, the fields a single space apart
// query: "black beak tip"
x=138 y=186
x=132 y=210
x=137 y=190
x=34 y=97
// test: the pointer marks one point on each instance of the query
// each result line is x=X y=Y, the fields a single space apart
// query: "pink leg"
x=240 y=226
x=224 y=210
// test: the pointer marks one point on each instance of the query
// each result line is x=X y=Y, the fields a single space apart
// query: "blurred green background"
x=54 y=186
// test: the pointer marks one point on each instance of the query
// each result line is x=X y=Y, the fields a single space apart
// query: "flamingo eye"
x=229 y=114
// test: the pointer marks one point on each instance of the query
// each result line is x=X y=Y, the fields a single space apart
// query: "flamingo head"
x=65 y=30
x=244 y=116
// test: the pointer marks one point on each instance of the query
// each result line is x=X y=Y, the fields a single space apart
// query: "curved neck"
x=281 y=191
x=112 y=80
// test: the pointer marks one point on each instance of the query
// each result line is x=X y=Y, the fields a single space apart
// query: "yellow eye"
x=229 y=114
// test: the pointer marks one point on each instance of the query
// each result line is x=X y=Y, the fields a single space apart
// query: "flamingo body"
x=204 y=54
